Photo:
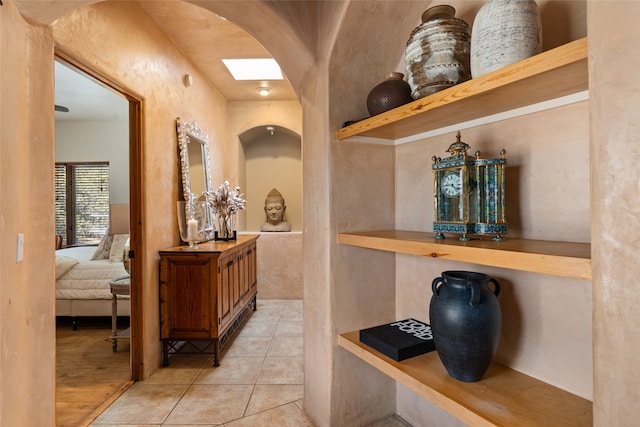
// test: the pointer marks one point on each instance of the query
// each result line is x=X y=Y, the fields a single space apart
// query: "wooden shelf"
x=552 y=74
x=503 y=397
x=566 y=259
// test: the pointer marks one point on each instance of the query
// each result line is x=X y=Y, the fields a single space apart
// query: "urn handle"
x=474 y=301
x=434 y=285
x=496 y=286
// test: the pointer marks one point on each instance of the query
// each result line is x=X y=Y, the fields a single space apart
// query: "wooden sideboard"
x=205 y=294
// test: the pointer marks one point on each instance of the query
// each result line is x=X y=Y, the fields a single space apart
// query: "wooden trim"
x=110 y=399
x=96 y=75
x=213 y=246
x=136 y=232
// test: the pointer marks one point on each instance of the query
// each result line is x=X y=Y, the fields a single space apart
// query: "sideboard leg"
x=165 y=353
x=216 y=353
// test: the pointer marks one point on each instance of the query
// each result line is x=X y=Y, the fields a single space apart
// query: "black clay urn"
x=466 y=321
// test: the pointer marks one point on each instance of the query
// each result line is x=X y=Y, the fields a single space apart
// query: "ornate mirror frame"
x=188 y=134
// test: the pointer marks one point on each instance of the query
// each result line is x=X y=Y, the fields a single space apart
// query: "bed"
x=83 y=274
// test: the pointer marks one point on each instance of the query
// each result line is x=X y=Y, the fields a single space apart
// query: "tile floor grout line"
x=255 y=381
x=177 y=402
x=246 y=407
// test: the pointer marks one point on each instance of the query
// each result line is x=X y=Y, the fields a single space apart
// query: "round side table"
x=119 y=286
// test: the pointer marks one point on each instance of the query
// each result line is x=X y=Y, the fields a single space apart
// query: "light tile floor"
x=259 y=381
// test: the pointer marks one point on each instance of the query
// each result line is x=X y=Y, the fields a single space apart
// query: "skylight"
x=253 y=69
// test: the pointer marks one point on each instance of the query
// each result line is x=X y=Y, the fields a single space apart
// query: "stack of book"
x=399 y=340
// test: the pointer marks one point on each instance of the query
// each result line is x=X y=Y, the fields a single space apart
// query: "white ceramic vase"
x=504 y=32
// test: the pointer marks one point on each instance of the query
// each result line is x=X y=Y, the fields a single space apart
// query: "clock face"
x=452 y=184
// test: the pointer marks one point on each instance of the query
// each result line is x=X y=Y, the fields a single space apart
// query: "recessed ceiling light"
x=263 y=90
x=254 y=69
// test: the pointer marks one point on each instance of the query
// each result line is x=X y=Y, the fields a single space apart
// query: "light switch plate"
x=20 y=248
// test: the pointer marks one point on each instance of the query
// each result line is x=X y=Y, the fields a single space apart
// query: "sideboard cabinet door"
x=226 y=279
x=187 y=292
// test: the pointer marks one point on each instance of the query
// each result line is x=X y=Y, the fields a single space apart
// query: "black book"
x=399 y=340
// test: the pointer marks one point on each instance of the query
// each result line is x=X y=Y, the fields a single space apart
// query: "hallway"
x=259 y=381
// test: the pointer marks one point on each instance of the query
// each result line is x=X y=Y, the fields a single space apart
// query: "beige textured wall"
x=99 y=140
x=615 y=138
x=362 y=287
x=27 y=323
x=245 y=115
x=280 y=265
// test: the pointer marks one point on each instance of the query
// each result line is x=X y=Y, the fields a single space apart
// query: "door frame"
x=136 y=231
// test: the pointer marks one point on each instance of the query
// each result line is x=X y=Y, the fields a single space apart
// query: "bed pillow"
x=117 y=247
x=104 y=248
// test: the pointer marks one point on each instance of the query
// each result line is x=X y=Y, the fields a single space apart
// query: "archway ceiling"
x=206 y=39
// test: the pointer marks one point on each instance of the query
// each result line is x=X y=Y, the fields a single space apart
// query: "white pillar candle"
x=192 y=230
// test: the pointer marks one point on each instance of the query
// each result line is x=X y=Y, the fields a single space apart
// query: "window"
x=82 y=202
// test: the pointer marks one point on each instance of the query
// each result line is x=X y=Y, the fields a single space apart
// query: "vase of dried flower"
x=225 y=228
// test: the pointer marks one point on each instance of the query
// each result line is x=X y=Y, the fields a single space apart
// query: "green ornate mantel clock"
x=469 y=193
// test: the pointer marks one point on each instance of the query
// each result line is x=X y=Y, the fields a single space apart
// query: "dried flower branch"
x=226 y=202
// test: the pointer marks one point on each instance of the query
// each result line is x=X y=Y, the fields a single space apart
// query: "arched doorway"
x=198 y=103
x=297 y=53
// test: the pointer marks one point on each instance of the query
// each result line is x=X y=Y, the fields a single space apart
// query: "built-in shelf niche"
x=504 y=396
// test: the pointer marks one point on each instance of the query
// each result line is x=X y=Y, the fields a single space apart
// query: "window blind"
x=82 y=202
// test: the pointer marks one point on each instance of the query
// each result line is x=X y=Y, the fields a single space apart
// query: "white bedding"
x=85 y=279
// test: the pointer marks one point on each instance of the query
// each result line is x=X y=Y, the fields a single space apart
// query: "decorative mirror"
x=195 y=165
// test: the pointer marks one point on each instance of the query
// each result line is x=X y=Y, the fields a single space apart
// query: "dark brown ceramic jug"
x=391 y=93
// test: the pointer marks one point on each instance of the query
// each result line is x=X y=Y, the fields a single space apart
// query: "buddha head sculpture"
x=274 y=209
